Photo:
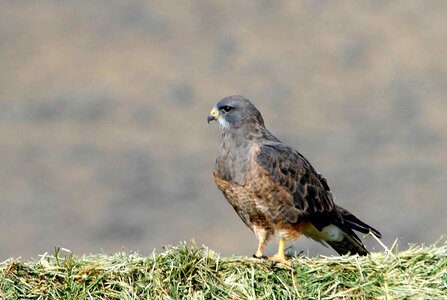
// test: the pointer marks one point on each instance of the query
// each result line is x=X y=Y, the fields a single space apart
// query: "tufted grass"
x=189 y=271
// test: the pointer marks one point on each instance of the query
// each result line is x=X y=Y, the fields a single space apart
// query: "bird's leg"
x=280 y=257
x=260 y=251
x=262 y=236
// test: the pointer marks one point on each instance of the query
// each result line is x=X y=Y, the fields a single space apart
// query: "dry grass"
x=189 y=271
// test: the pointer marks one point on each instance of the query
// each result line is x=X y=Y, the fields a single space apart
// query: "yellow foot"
x=280 y=260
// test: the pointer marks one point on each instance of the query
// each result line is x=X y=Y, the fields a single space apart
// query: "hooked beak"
x=214 y=115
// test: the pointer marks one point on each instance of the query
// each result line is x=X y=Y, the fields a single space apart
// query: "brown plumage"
x=273 y=188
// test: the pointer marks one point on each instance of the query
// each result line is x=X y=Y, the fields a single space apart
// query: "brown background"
x=104 y=144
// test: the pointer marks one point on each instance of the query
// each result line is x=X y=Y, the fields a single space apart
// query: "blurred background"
x=104 y=144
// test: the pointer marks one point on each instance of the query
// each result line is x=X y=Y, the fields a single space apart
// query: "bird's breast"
x=237 y=164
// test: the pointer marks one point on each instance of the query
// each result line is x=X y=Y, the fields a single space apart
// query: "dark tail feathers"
x=354 y=223
x=352 y=243
x=349 y=245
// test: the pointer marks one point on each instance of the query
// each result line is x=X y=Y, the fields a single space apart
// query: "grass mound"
x=197 y=272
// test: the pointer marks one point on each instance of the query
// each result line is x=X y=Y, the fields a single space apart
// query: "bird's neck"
x=240 y=135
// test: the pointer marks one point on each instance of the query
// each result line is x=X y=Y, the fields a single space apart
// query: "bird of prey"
x=274 y=189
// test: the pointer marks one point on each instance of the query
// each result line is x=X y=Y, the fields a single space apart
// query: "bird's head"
x=235 y=112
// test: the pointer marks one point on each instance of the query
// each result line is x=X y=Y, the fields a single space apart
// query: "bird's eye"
x=226 y=108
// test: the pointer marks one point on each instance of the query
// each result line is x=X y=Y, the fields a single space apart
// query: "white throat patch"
x=223 y=123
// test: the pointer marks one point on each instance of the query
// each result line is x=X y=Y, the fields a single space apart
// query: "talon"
x=260 y=257
x=280 y=257
x=280 y=260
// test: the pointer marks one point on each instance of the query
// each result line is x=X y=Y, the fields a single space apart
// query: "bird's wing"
x=292 y=172
x=313 y=199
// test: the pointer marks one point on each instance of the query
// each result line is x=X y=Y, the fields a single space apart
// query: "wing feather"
x=309 y=190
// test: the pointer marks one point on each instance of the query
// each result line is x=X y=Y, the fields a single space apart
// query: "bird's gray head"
x=235 y=112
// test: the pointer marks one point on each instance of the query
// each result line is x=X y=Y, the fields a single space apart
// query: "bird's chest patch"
x=236 y=165
x=233 y=175
x=248 y=188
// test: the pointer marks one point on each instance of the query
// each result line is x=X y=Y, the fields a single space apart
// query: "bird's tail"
x=354 y=223
x=351 y=243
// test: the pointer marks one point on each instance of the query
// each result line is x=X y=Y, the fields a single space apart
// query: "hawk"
x=274 y=189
